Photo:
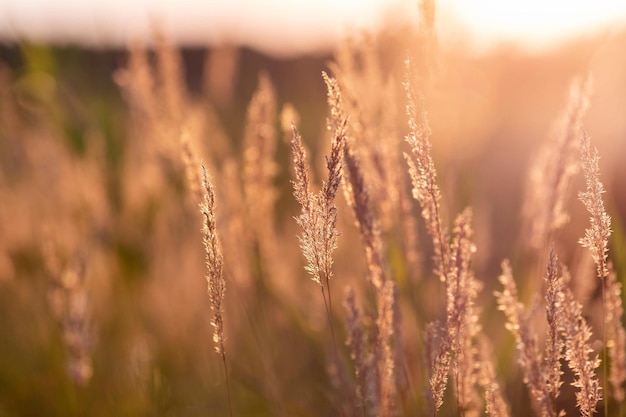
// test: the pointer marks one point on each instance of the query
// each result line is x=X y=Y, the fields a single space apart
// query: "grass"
x=364 y=283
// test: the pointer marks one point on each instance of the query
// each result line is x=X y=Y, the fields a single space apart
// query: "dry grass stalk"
x=360 y=353
x=597 y=236
x=215 y=272
x=137 y=83
x=462 y=318
x=318 y=218
x=566 y=329
x=170 y=79
x=374 y=352
x=355 y=191
x=334 y=98
x=529 y=356
x=551 y=173
x=616 y=337
x=260 y=135
x=288 y=117
x=302 y=184
x=214 y=262
x=577 y=353
x=164 y=121
x=190 y=164
x=237 y=242
x=221 y=70
x=259 y=171
x=157 y=96
x=385 y=354
x=358 y=199
x=554 y=345
x=495 y=403
x=408 y=230
x=71 y=305
x=372 y=106
x=438 y=355
x=371 y=98
x=77 y=326
x=139 y=88
x=452 y=265
x=424 y=177
x=404 y=384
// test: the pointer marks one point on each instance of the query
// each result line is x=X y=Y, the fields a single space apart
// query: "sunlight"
x=533 y=23
x=296 y=26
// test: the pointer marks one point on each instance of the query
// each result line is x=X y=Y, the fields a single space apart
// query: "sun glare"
x=534 y=23
x=298 y=25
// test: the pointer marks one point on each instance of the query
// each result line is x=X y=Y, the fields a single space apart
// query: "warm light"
x=279 y=26
x=288 y=26
x=535 y=23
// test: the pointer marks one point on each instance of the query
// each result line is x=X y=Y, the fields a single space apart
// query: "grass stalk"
x=328 y=307
x=227 y=377
x=605 y=369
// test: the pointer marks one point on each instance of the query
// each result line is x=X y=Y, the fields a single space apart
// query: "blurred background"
x=284 y=28
x=80 y=189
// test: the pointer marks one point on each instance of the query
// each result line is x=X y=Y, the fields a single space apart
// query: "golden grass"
x=127 y=329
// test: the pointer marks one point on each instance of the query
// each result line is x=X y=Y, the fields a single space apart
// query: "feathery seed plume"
x=318 y=218
x=554 y=345
x=259 y=171
x=495 y=403
x=577 y=353
x=462 y=318
x=551 y=173
x=438 y=356
x=214 y=262
x=529 y=356
x=424 y=176
x=596 y=237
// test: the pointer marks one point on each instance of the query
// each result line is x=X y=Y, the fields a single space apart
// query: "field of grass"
x=399 y=229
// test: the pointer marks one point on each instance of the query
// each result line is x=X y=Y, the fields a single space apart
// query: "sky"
x=298 y=26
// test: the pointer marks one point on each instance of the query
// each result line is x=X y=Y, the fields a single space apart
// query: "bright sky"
x=295 y=26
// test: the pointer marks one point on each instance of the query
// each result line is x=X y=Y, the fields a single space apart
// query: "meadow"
x=399 y=229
